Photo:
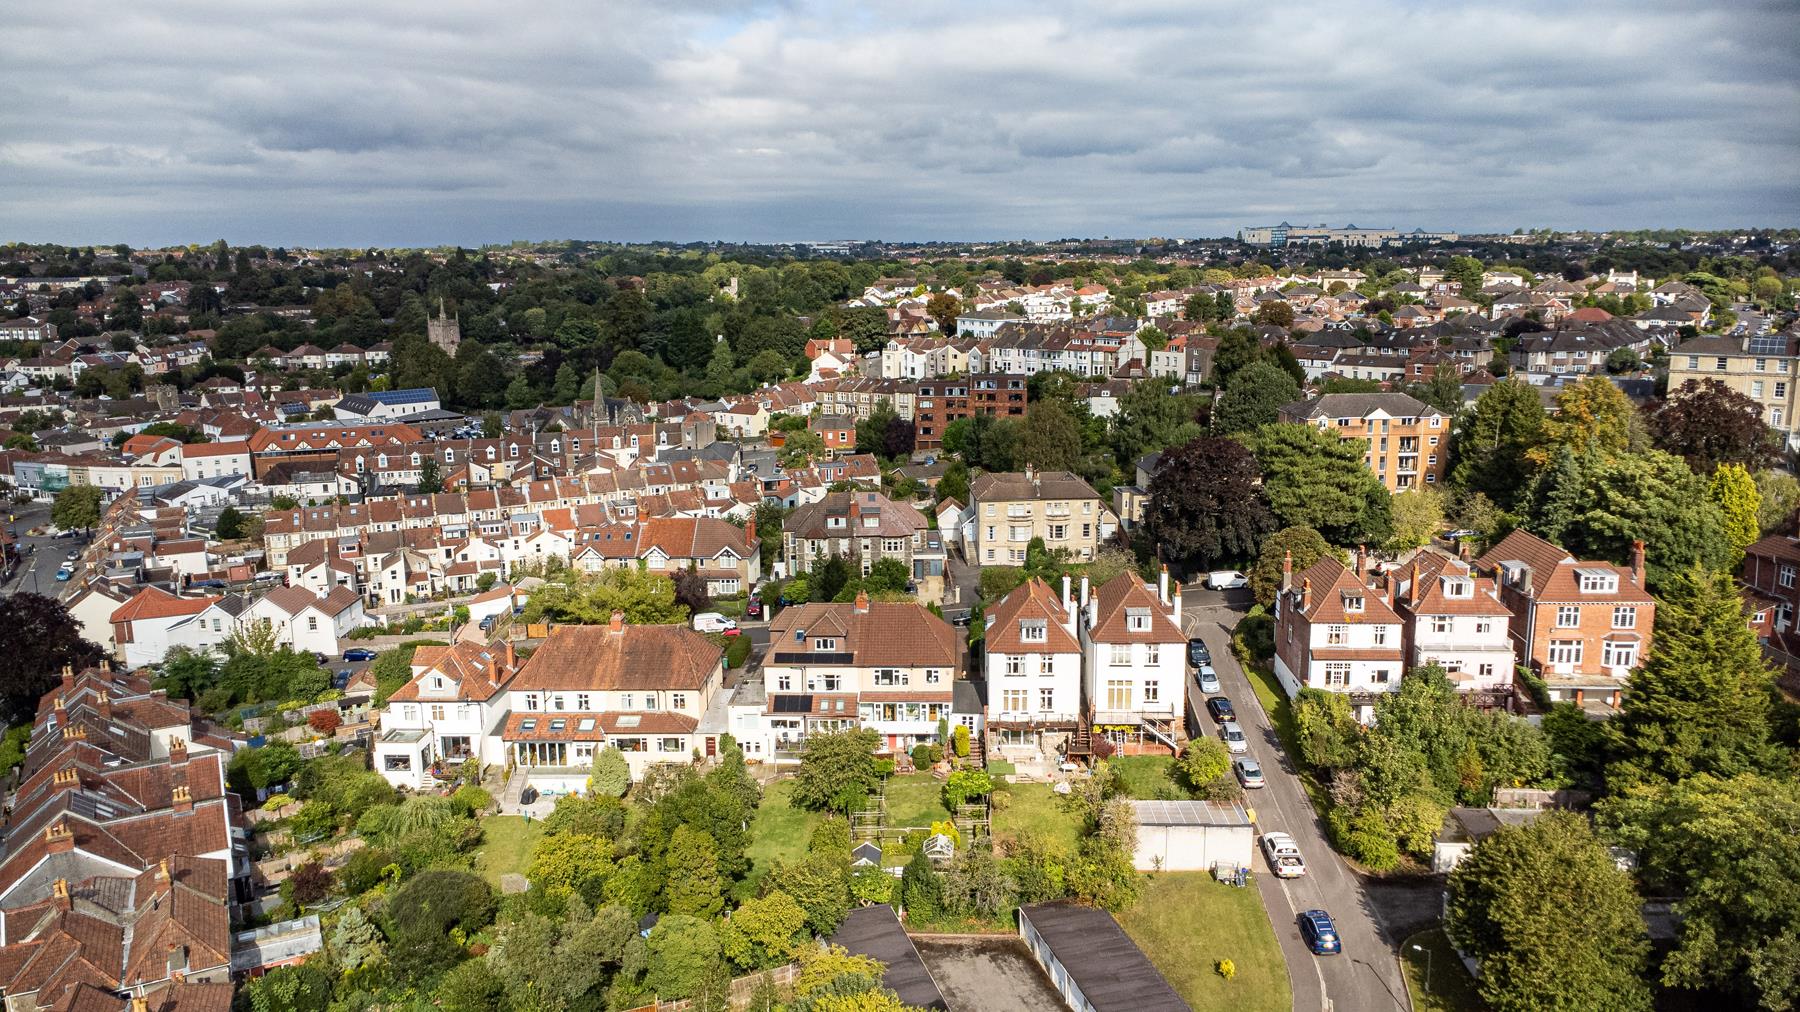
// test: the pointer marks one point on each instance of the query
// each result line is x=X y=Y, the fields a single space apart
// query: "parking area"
x=987 y=973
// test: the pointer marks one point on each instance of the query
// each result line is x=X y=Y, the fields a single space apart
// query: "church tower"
x=444 y=330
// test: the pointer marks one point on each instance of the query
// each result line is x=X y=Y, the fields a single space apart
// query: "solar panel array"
x=415 y=395
x=1768 y=344
x=1189 y=813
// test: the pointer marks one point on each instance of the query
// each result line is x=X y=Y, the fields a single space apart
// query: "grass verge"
x=1186 y=923
x=1452 y=989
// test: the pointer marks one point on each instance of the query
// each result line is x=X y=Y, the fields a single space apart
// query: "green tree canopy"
x=1496 y=439
x=1584 y=950
x=1315 y=479
x=1254 y=398
x=1205 y=505
x=1306 y=545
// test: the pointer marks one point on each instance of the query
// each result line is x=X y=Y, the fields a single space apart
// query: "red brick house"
x=1580 y=626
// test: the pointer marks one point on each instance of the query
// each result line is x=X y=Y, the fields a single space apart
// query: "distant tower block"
x=444 y=330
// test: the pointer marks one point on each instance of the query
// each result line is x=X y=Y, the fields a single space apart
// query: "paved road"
x=36 y=572
x=1366 y=978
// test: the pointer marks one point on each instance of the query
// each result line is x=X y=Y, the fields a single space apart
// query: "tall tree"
x=1254 y=398
x=41 y=639
x=1731 y=849
x=76 y=507
x=1418 y=516
x=693 y=879
x=1051 y=440
x=1707 y=423
x=1596 y=507
x=431 y=478
x=1149 y=418
x=1495 y=442
x=1205 y=504
x=1552 y=919
x=1592 y=411
x=1735 y=492
x=1779 y=496
x=1315 y=479
x=1701 y=702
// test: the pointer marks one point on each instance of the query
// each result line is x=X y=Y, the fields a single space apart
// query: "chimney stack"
x=58 y=839
x=1287 y=570
x=1175 y=609
x=68 y=675
x=66 y=777
x=1637 y=562
x=1084 y=590
x=178 y=752
x=1362 y=560
x=105 y=701
x=862 y=602
x=1462 y=549
x=1413 y=591
x=181 y=799
x=1162 y=584
x=60 y=889
x=617 y=623
x=162 y=870
x=1066 y=601
x=1305 y=593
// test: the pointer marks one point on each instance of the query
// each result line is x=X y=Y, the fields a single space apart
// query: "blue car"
x=359 y=654
x=1319 y=933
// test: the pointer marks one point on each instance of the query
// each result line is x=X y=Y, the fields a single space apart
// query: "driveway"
x=1367 y=975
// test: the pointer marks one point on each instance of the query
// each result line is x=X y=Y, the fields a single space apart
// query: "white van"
x=713 y=622
x=1226 y=579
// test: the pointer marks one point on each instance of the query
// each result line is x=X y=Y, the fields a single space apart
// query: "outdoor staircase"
x=1163 y=730
x=515 y=786
x=1081 y=741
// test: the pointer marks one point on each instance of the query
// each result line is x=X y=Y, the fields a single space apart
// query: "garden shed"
x=1192 y=835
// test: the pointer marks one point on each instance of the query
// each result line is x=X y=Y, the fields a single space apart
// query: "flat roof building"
x=1092 y=962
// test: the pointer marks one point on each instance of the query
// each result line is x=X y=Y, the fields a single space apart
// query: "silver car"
x=1249 y=773
x=1209 y=679
x=1234 y=737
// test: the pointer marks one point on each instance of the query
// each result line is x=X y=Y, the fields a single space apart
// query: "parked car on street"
x=1319 y=933
x=359 y=654
x=63 y=574
x=1209 y=679
x=1221 y=709
x=1226 y=579
x=72 y=556
x=1198 y=655
x=1249 y=773
x=1283 y=855
x=1233 y=736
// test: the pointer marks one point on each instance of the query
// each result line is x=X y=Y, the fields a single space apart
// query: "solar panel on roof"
x=792 y=704
x=1768 y=344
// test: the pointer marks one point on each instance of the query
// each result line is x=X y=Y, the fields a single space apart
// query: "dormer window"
x=1137 y=619
x=824 y=644
x=1353 y=602
x=1458 y=587
x=1598 y=581
x=1034 y=631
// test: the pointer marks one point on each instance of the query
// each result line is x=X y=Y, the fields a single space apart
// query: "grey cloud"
x=365 y=122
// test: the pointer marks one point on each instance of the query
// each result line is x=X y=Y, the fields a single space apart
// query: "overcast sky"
x=374 y=122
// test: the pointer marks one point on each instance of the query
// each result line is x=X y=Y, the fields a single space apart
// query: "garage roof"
x=1112 y=972
x=1190 y=813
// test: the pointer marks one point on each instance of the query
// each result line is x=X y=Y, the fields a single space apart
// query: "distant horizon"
x=816 y=240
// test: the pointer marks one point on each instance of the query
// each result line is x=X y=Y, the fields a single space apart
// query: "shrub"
x=436 y=901
x=324 y=721
x=612 y=775
x=471 y=800
x=1227 y=969
x=311 y=882
x=960 y=741
x=965 y=785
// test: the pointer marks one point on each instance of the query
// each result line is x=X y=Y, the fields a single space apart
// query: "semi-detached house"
x=1032 y=660
x=1334 y=631
x=1135 y=663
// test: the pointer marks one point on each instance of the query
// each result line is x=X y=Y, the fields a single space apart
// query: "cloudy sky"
x=377 y=122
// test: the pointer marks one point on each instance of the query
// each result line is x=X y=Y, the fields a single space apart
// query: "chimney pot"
x=617 y=623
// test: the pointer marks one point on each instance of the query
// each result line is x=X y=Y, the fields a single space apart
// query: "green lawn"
x=1186 y=923
x=506 y=846
x=1452 y=989
x=780 y=831
x=998 y=768
x=1033 y=809
x=1144 y=775
x=915 y=800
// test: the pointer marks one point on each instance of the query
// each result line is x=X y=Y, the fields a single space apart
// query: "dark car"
x=1197 y=652
x=1319 y=933
x=359 y=654
x=753 y=608
x=341 y=679
x=1221 y=709
x=487 y=622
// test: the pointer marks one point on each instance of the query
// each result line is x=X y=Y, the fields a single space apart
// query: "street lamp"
x=1420 y=948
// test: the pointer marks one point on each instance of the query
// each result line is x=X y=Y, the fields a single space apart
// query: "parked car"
x=487 y=622
x=753 y=608
x=359 y=654
x=1459 y=534
x=713 y=622
x=1249 y=773
x=63 y=574
x=1197 y=652
x=1283 y=855
x=1234 y=737
x=1209 y=679
x=1221 y=709
x=341 y=679
x=1320 y=933
x=72 y=556
x=1226 y=579
x=209 y=584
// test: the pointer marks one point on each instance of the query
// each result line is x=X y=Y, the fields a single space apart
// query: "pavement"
x=1366 y=977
